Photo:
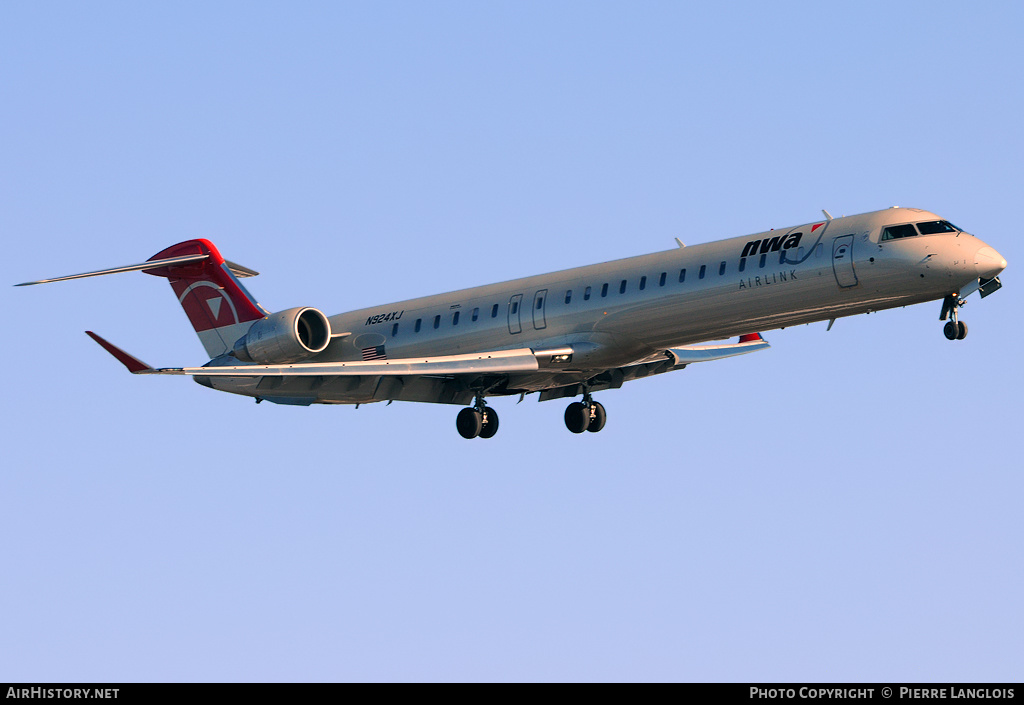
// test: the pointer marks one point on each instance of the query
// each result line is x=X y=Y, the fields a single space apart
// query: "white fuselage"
x=616 y=313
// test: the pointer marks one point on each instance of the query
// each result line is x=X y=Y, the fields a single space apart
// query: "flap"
x=498 y=362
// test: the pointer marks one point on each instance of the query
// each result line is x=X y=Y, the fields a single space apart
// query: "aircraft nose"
x=988 y=262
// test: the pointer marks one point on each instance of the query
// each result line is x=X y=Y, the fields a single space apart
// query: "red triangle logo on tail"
x=206 y=306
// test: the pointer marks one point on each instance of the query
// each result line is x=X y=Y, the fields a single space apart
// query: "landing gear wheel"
x=490 y=423
x=955 y=329
x=470 y=422
x=577 y=417
x=597 y=417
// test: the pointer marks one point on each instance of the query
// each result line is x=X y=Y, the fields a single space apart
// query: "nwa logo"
x=208 y=306
x=774 y=244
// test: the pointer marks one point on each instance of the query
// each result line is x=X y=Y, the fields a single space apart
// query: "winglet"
x=134 y=364
x=750 y=337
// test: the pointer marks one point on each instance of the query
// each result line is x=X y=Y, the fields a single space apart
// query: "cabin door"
x=842 y=261
x=515 y=305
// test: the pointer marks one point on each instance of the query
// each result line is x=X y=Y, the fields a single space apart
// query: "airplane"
x=569 y=333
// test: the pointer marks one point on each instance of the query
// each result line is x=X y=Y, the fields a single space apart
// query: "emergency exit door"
x=515 y=304
x=539 y=302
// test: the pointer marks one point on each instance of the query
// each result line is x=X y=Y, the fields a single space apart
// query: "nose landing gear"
x=955 y=329
x=588 y=415
x=478 y=420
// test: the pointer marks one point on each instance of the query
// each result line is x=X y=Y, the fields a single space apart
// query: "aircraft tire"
x=490 y=423
x=961 y=332
x=951 y=330
x=577 y=417
x=599 y=418
x=469 y=422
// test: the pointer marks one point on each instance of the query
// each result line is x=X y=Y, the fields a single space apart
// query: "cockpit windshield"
x=936 y=227
x=931 y=227
x=894 y=232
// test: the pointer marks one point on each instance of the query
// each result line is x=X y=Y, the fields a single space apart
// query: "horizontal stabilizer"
x=134 y=364
x=236 y=269
x=499 y=362
x=240 y=271
x=152 y=264
x=704 y=353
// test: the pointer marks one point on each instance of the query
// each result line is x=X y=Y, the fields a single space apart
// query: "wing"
x=496 y=362
x=431 y=378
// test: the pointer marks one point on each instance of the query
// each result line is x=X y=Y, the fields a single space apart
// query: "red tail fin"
x=219 y=307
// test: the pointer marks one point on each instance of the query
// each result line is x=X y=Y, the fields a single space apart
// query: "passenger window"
x=540 y=302
x=494 y=311
x=622 y=287
x=455 y=318
x=721 y=269
x=643 y=283
x=764 y=258
x=394 y=330
x=476 y=314
x=604 y=290
x=894 y=232
x=682 y=275
x=437 y=321
x=419 y=322
x=515 y=307
x=743 y=263
x=782 y=256
x=586 y=294
x=661 y=281
x=568 y=295
x=703 y=268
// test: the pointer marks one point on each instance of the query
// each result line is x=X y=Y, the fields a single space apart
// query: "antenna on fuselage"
x=828 y=216
x=680 y=242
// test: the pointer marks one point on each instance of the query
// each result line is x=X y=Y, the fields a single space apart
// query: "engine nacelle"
x=287 y=336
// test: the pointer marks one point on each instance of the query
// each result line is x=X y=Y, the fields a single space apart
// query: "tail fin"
x=218 y=306
x=206 y=284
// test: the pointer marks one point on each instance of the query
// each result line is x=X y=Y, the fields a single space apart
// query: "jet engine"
x=287 y=336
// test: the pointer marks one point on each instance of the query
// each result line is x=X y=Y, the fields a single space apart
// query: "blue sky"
x=843 y=507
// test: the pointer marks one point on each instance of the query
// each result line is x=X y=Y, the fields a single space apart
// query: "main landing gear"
x=481 y=421
x=588 y=415
x=955 y=329
x=478 y=420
